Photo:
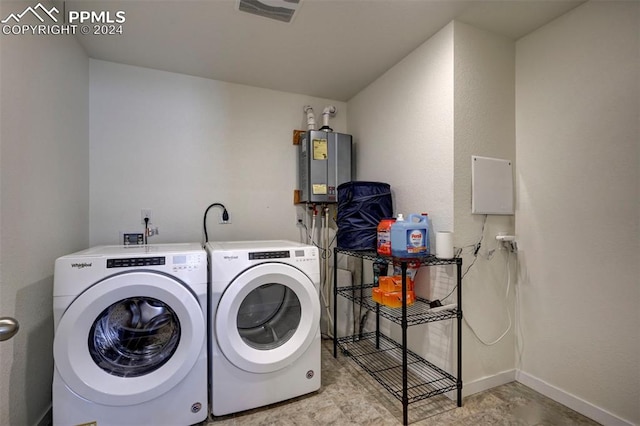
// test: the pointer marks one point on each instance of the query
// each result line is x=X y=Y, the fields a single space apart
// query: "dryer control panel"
x=280 y=254
x=260 y=255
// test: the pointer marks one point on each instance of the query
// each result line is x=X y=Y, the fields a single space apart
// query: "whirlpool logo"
x=81 y=265
x=230 y=257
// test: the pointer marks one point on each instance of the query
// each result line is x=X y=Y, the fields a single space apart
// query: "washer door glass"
x=269 y=316
x=134 y=336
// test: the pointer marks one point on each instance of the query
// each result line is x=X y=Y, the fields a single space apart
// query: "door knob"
x=8 y=328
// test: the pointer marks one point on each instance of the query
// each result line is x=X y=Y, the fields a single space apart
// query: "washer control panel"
x=187 y=262
x=172 y=262
x=135 y=261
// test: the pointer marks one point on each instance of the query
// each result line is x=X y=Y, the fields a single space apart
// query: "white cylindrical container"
x=444 y=245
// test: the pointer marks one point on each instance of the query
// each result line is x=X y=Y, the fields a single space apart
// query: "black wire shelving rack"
x=406 y=375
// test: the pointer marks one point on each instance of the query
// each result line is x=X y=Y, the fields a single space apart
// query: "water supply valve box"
x=324 y=162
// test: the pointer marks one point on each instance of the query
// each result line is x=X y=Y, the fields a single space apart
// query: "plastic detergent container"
x=384 y=236
x=409 y=238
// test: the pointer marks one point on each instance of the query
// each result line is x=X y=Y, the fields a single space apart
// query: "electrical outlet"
x=502 y=236
x=145 y=213
x=299 y=217
x=221 y=221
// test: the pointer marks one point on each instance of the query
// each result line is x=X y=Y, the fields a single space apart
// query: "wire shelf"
x=417 y=313
x=429 y=260
x=407 y=376
x=384 y=364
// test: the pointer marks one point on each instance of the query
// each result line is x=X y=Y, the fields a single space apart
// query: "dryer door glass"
x=134 y=336
x=268 y=316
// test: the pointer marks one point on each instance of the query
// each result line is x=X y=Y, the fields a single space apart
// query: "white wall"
x=484 y=125
x=175 y=144
x=403 y=128
x=578 y=115
x=416 y=128
x=44 y=202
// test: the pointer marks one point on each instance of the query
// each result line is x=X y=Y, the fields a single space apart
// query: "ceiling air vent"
x=280 y=10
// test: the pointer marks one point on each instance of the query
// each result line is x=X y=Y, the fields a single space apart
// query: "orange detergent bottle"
x=384 y=236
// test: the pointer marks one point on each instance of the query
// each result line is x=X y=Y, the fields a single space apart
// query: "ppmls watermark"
x=54 y=22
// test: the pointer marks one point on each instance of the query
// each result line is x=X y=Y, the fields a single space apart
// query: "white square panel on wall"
x=491 y=186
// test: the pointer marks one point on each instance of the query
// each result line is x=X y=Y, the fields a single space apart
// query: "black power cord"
x=225 y=217
x=476 y=250
x=146 y=229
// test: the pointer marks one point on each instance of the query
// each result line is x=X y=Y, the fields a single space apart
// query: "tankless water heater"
x=324 y=163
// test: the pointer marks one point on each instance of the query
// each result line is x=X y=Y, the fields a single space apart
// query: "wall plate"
x=491 y=186
x=131 y=238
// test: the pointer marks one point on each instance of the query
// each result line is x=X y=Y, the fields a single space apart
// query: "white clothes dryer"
x=265 y=323
x=130 y=343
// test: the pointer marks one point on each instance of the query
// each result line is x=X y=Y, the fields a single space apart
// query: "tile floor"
x=348 y=396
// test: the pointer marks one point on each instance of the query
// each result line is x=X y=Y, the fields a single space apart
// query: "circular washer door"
x=129 y=338
x=267 y=317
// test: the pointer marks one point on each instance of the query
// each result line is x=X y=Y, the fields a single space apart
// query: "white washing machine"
x=265 y=323
x=130 y=343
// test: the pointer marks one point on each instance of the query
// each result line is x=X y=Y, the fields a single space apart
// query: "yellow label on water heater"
x=319 y=189
x=320 y=149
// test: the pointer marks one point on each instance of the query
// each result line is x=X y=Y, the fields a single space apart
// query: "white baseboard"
x=485 y=383
x=577 y=404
